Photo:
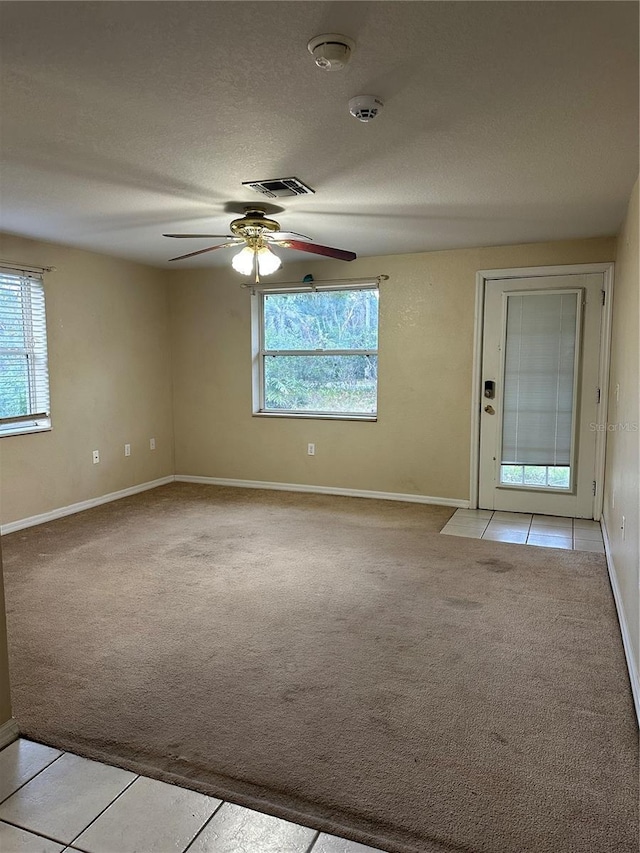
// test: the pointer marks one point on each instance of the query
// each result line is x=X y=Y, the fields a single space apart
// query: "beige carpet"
x=333 y=661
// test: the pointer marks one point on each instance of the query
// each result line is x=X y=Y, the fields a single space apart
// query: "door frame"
x=482 y=276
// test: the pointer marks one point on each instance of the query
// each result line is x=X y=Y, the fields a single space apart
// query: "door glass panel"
x=539 y=383
x=542 y=476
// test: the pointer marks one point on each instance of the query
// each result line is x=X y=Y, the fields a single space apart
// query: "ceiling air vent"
x=279 y=187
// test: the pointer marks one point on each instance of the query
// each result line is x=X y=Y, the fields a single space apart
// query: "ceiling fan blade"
x=286 y=235
x=195 y=236
x=202 y=251
x=317 y=249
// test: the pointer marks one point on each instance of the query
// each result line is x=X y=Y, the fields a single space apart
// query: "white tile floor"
x=551 y=531
x=51 y=801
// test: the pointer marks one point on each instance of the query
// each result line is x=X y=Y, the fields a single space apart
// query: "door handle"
x=490 y=410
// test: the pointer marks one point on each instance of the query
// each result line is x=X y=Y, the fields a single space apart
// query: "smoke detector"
x=331 y=51
x=365 y=107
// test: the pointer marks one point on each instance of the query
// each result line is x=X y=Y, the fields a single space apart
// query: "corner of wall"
x=621 y=511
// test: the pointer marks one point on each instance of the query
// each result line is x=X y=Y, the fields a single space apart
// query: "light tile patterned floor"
x=52 y=801
x=550 y=531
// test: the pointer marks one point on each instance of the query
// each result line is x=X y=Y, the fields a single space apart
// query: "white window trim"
x=35 y=421
x=259 y=353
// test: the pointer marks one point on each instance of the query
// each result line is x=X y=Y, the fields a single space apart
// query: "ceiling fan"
x=258 y=234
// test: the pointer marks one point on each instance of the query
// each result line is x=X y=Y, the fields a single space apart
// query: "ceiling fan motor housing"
x=253 y=223
x=331 y=51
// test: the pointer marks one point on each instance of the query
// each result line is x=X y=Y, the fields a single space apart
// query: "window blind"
x=24 y=375
x=540 y=349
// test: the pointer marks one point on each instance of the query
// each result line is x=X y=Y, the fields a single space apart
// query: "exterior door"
x=540 y=396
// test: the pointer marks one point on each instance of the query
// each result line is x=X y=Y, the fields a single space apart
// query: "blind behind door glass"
x=539 y=380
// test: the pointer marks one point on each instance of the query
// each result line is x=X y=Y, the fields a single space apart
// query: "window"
x=24 y=377
x=317 y=351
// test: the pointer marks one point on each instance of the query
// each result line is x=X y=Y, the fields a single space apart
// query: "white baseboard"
x=624 y=628
x=82 y=505
x=60 y=512
x=8 y=733
x=323 y=490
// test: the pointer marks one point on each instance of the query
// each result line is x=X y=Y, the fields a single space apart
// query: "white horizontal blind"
x=540 y=350
x=24 y=375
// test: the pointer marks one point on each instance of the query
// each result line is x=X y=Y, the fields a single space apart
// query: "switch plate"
x=96 y=457
x=311 y=449
x=127 y=450
x=152 y=444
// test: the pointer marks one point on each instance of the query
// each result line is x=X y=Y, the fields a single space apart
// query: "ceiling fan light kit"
x=259 y=254
x=331 y=51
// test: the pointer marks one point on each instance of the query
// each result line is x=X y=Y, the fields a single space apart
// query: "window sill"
x=318 y=416
x=23 y=430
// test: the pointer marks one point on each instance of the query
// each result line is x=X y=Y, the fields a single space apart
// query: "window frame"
x=35 y=350
x=260 y=353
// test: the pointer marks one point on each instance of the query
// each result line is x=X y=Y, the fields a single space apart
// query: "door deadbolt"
x=490 y=410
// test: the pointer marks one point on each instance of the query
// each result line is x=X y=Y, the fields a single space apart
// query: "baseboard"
x=9 y=732
x=82 y=505
x=60 y=512
x=323 y=490
x=624 y=628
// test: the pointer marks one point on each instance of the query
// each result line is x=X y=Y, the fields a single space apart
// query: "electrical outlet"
x=127 y=450
x=617 y=392
x=152 y=444
x=311 y=449
x=96 y=457
x=624 y=533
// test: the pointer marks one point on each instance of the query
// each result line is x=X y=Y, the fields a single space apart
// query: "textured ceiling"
x=503 y=122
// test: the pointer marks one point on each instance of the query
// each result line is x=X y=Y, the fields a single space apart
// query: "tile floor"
x=577 y=534
x=52 y=801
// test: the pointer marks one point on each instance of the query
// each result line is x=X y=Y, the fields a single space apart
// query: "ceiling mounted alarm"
x=331 y=51
x=365 y=107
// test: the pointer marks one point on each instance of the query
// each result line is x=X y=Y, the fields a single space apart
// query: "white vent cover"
x=279 y=187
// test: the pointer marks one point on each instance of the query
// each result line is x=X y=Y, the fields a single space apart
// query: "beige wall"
x=420 y=443
x=109 y=361
x=110 y=365
x=622 y=462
